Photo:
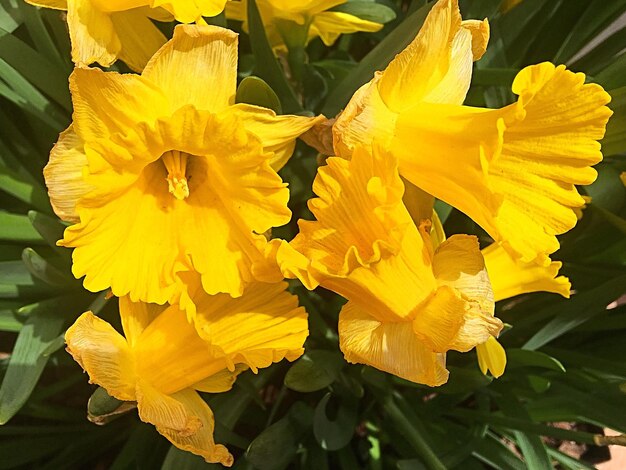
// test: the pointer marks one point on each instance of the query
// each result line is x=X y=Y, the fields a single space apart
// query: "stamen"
x=176 y=164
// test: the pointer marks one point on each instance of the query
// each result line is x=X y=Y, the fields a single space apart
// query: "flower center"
x=176 y=165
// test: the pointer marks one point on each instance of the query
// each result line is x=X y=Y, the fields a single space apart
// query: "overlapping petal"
x=511 y=277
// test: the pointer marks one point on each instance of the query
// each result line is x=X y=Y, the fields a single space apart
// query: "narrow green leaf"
x=527 y=358
x=14 y=272
x=614 y=141
x=533 y=449
x=44 y=270
x=8 y=321
x=367 y=10
x=25 y=190
x=48 y=77
x=51 y=230
x=267 y=67
x=597 y=16
x=527 y=426
x=177 y=459
x=27 y=362
x=579 y=309
x=14 y=227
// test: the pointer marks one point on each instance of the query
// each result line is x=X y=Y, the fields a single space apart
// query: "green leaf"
x=267 y=66
x=314 y=371
x=44 y=270
x=275 y=447
x=367 y=10
x=614 y=141
x=377 y=59
x=27 y=362
x=23 y=189
x=14 y=227
x=527 y=358
x=177 y=459
x=579 y=309
x=334 y=434
x=8 y=321
x=254 y=90
x=51 y=230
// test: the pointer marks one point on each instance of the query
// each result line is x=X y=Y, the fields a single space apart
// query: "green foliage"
x=565 y=357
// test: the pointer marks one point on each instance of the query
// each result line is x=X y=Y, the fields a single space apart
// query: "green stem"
x=413 y=436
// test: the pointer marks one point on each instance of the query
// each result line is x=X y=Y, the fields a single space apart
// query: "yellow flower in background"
x=188 y=11
x=407 y=303
x=162 y=360
x=284 y=19
x=512 y=170
x=104 y=30
x=162 y=174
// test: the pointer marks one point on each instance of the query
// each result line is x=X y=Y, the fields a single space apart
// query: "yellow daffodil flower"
x=162 y=360
x=407 y=303
x=104 y=30
x=285 y=20
x=513 y=170
x=162 y=174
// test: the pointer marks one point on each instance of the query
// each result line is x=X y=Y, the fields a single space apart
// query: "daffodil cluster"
x=172 y=189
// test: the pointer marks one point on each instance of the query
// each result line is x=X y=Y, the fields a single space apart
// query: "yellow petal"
x=186 y=421
x=140 y=38
x=56 y=4
x=278 y=133
x=329 y=25
x=171 y=356
x=511 y=277
x=359 y=212
x=165 y=412
x=197 y=66
x=390 y=347
x=263 y=326
x=491 y=357
x=418 y=203
x=436 y=67
x=64 y=175
x=447 y=321
x=480 y=36
x=104 y=354
x=136 y=316
x=365 y=119
x=221 y=381
x=92 y=33
x=108 y=102
x=188 y=11
x=459 y=263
